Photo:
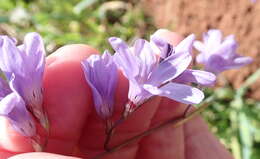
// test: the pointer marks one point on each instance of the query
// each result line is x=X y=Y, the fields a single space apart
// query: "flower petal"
x=227 y=49
x=201 y=58
x=124 y=58
x=96 y=95
x=147 y=59
x=13 y=107
x=216 y=64
x=12 y=60
x=178 y=92
x=199 y=46
x=185 y=45
x=170 y=68
x=35 y=54
x=239 y=62
x=196 y=76
x=212 y=38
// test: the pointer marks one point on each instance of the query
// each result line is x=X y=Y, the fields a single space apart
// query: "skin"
x=77 y=131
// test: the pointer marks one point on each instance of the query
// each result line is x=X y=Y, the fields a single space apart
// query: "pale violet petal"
x=13 y=108
x=227 y=49
x=216 y=64
x=35 y=54
x=34 y=57
x=178 y=92
x=196 y=76
x=124 y=58
x=214 y=38
x=239 y=62
x=201 y=58
x=89 y=78
x=199 y=46
x=148 y=60
x=170 y=68
x=12 y=60
x=185 y=45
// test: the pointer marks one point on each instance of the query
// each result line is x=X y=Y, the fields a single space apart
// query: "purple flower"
x=149 y=75
x=101 y=75
x=24 y=66
x=219 y=55
x=160 y=46
x=12 y=106
x=164 y=49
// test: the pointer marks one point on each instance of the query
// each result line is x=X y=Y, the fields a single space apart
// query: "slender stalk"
x=129 y=109
x=175 y=122
x=187 y=110
x=110 y=132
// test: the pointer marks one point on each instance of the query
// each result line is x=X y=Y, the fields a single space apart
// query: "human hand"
x=77 y=131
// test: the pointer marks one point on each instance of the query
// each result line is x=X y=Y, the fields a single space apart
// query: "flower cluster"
x=153 y=68
x=21 y=91
x=156 y=68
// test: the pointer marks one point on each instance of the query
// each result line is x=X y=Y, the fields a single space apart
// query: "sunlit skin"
x=77 y=131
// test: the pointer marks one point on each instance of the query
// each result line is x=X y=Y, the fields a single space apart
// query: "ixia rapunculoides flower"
x=13 y=107
x=24 y=64
x=164 y=49
x=219 y=54
x=148 y=75
x=101 y=75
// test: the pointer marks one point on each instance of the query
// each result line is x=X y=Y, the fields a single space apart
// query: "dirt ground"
x=239 y=17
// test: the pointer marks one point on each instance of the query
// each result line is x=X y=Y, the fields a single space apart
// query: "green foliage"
x=63 y=22
x=235 y=119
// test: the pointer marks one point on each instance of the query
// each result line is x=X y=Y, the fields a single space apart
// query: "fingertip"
x=171 y=37
x=72 y=52
x=38 y=155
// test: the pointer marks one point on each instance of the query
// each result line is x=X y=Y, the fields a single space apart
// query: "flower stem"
x=110 y=132
x=187 y=110
x=174 y=122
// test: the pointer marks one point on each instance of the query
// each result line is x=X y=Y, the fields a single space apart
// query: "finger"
x=169 y=142
x=200 y=143
x=38 y=155
x=66 y=99
x=5 y=154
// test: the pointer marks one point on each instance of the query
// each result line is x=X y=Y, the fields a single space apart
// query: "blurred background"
x=235 y=114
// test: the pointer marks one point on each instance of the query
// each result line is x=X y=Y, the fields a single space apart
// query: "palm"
x=77 y=131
